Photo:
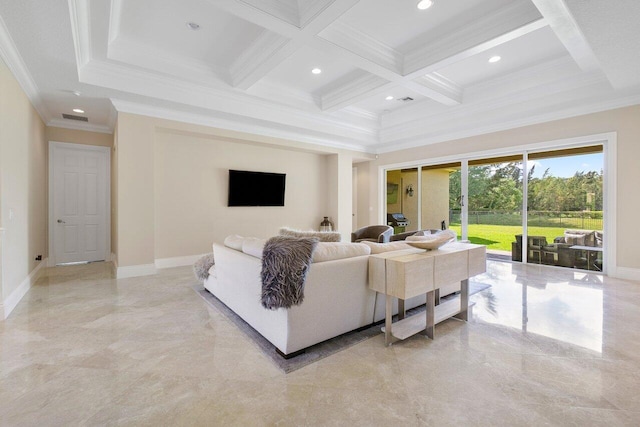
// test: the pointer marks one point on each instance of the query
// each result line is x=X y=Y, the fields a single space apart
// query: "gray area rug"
x=316 y=352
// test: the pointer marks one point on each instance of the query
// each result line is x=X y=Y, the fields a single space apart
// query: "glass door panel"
x=402 y=200
x=495 y=206
x=565 y=195
x=441 y=197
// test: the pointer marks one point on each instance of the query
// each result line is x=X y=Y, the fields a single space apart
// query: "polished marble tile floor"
x=544 y=346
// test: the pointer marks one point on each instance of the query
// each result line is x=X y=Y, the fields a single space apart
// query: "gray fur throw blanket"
x=202 y=266
x=285 y=264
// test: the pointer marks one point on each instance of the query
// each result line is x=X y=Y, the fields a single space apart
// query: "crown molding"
x=15 y=63
x=442 y=84
x=506 y=24
x=80 y=14
x=141 y=82
x=349 y=38
x=499 y=87
x=308 y=10
x=283 y=10
x=262 y=56
x=69 y=124
x=238 y=125
x=499 y=108
x=542 y=113
x=115 y=18
x=273 y=92
x=347 y=94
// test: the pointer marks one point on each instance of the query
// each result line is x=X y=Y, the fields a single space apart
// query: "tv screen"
x=256 y=188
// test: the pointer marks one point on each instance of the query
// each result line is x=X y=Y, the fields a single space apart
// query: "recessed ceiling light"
x=425 y=4
x=76 y=93
x=316 y=71
x=494 y=59
x=77 y=110
x=389 y=98
x=193 y=26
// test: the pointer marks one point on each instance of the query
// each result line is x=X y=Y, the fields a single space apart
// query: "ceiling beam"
x=279 y=41
x=557 y=14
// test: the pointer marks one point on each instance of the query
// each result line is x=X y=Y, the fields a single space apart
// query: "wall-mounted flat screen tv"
x=248 y=188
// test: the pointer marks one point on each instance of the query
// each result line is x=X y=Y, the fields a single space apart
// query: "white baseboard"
x=627 y=273
x=179 y=261
x=135 y=271
x=16 y=296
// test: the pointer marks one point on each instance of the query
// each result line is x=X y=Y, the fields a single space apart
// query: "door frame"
x=609 y=141
x=53 y=146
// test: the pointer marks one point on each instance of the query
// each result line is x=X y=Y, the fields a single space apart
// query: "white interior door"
x=79 y=203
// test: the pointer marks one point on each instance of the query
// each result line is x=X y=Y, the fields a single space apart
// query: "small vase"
x=326 y=225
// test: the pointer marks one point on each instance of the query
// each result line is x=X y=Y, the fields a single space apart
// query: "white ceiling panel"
x=162 y=25
x=533 y=48
x=395 y=23
x=295 y=71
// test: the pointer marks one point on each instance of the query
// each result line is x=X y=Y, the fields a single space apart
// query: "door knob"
x=61 y=221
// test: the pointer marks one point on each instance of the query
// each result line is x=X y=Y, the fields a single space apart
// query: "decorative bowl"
x=431 y=242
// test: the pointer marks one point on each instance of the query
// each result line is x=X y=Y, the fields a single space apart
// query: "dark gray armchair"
x=372 y=233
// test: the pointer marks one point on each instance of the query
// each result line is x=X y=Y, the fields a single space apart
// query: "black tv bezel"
x=257 y=203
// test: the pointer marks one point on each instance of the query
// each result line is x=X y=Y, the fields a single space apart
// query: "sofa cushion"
x=253 y=246
x=234 y=242
x=378 y=248
x=329 y=251
x=322 y=236
x=574 y=239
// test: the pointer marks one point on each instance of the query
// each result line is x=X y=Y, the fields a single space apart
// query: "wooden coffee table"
x=406 y=274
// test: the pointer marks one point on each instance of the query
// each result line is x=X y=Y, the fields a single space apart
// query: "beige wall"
x=171 y=187
x=79 y=136
x=191 y=185
x=624 y=121
x=435 y=198
x=23 y=189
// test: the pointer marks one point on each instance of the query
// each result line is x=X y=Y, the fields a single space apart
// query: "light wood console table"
x=405 y=275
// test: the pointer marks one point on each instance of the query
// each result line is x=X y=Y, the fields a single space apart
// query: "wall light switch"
x=10 y=214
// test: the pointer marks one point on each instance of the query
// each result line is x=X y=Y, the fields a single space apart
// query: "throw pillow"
x=378 y=248
x=329 y=251
x=234 y=242
x=574 y=239
x=202 y=267
x=322 y=236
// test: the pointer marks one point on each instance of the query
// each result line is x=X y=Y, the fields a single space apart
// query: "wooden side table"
x=405 y=275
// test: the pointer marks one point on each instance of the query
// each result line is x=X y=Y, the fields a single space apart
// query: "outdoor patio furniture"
x=535 y=249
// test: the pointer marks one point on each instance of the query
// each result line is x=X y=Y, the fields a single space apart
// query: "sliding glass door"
x=495 y=206
x=565 y=201
x=483 y=201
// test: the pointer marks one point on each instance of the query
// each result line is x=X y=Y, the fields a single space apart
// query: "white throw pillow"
x=234 y=242
x=253 y=246
x=378 y=248
x=329 y=251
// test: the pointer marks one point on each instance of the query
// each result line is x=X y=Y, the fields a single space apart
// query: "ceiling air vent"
x=72 y=117
x=406 y=99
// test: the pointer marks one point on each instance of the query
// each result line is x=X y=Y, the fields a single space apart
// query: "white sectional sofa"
x=337 y=298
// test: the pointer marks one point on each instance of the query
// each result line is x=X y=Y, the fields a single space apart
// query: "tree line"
x=499 y=187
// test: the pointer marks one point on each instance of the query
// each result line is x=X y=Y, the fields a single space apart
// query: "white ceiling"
x=248 y=66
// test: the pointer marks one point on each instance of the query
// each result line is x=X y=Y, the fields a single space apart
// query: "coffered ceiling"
x=392 y=76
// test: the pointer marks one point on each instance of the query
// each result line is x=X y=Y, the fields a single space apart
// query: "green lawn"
x=499 y=237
